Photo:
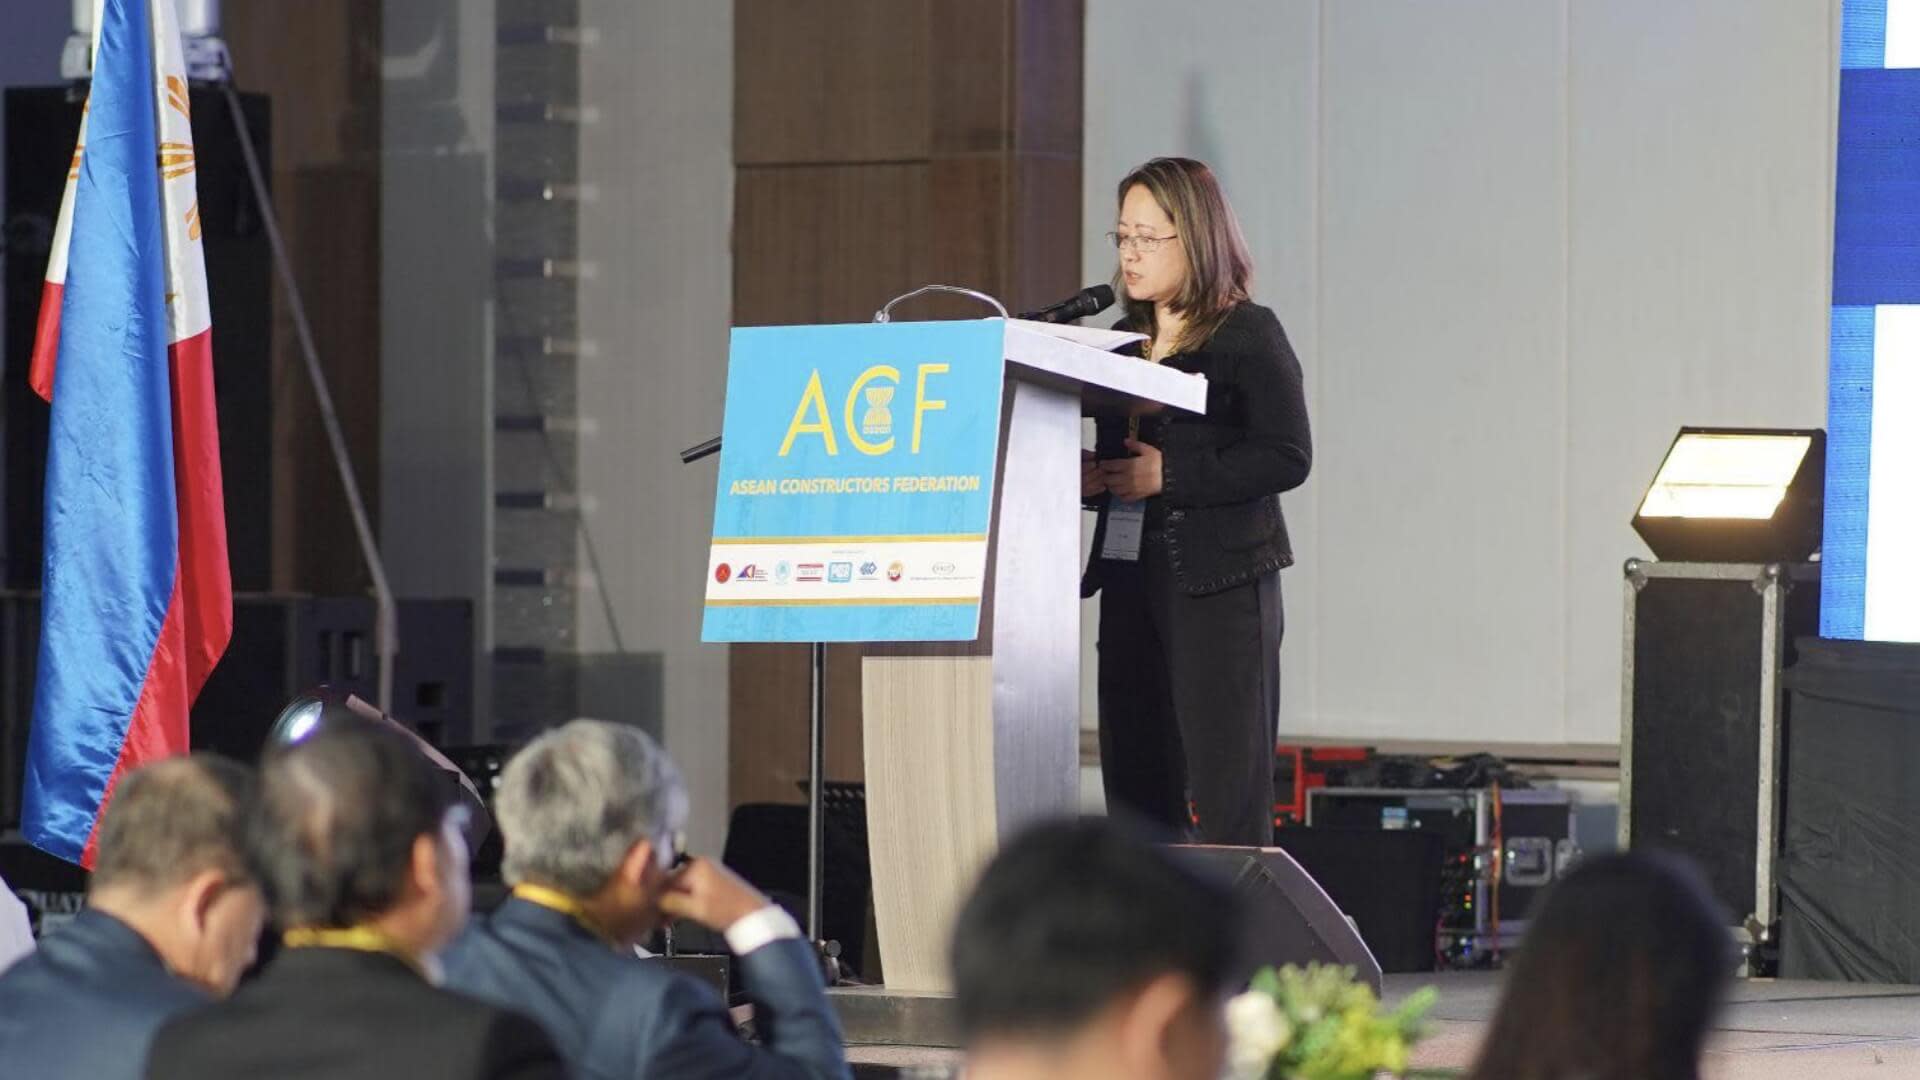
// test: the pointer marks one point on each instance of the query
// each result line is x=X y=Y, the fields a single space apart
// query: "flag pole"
x=386 y=621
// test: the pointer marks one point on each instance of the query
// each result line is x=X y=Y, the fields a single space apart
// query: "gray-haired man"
x=589 y=812
x=173 y=916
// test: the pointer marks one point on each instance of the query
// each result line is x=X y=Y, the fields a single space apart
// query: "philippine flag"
x=136 y=600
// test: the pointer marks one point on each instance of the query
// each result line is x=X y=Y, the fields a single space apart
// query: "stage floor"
x=1769 y=1030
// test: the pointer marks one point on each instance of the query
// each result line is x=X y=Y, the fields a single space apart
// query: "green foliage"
x=1318 y=1023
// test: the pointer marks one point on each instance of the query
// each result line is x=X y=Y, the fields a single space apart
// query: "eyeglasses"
x=1146 y=245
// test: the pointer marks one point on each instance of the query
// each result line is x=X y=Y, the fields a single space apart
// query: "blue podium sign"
x=856 y=482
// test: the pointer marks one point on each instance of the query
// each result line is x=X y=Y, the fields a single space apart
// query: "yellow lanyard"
x=357 y=938
x=555 y=900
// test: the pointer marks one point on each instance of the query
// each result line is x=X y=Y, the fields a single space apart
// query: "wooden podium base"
x=967 y=741
x=931 y=816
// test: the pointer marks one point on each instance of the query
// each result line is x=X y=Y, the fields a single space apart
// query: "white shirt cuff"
x=762 y=928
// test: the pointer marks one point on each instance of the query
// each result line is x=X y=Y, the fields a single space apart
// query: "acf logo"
x=871 y=432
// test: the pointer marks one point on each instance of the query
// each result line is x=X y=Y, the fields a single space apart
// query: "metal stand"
x=816 y=752
x=386 y=625
x=816 y=776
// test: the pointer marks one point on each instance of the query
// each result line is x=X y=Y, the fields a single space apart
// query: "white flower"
x=1256 y=1031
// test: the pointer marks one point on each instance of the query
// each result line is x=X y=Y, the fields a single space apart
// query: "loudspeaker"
x=767 y=845
x=42 y=125
x=281 y=646
x=19 y=647
x=1289 y=918
x=1387 y=881
x=433 y=674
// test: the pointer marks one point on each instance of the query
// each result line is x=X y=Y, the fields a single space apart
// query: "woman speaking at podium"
x=1190 y=543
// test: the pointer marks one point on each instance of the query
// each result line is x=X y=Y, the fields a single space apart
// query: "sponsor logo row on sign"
x=797 y=572
x=839 y=573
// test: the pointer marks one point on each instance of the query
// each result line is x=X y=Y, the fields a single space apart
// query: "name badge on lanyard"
x=1126 y=521
x=1126 y=524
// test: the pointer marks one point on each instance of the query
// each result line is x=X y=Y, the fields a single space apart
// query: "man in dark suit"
x=1086 y=954
x=358 y=843
x=590 y=813
x=172 y=919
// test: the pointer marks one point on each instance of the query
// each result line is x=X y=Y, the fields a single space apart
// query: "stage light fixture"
x=1739 y=495
x=327 y=706
x=308 y=712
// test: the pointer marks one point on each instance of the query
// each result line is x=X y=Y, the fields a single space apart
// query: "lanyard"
x=357 y=938
x=555 y=900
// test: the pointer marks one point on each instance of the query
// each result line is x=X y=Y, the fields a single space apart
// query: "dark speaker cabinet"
x=281 y=646
x=1289 y=918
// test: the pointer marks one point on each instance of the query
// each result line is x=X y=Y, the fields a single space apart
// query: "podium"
x=916 y=486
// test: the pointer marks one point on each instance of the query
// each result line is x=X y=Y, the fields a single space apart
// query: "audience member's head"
x=590 y=809
x=1085 y=951
x=170 y=863
x=357 y=829
x=1618 y=979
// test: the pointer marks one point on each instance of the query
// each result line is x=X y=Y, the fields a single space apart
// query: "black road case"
x=1702 y=718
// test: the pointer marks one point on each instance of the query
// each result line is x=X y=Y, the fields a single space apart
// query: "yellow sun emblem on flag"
x=176 y=159
x=177 y=95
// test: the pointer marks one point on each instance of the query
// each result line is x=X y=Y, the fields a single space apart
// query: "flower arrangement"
x=1319 y=1024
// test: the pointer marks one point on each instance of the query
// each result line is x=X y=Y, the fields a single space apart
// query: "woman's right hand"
x=1091 y=481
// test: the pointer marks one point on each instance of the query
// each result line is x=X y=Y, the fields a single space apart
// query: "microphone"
x=1088 y=301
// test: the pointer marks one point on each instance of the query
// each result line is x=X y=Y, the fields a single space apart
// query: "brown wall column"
x=880 y=145
x=320 y=65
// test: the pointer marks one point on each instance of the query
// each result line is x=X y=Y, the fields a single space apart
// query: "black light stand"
x=816 y=749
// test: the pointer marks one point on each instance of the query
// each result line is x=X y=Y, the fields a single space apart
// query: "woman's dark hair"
x=332 y=841
x=1618 y=979
x=1219 y=269
x=1071 y=916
